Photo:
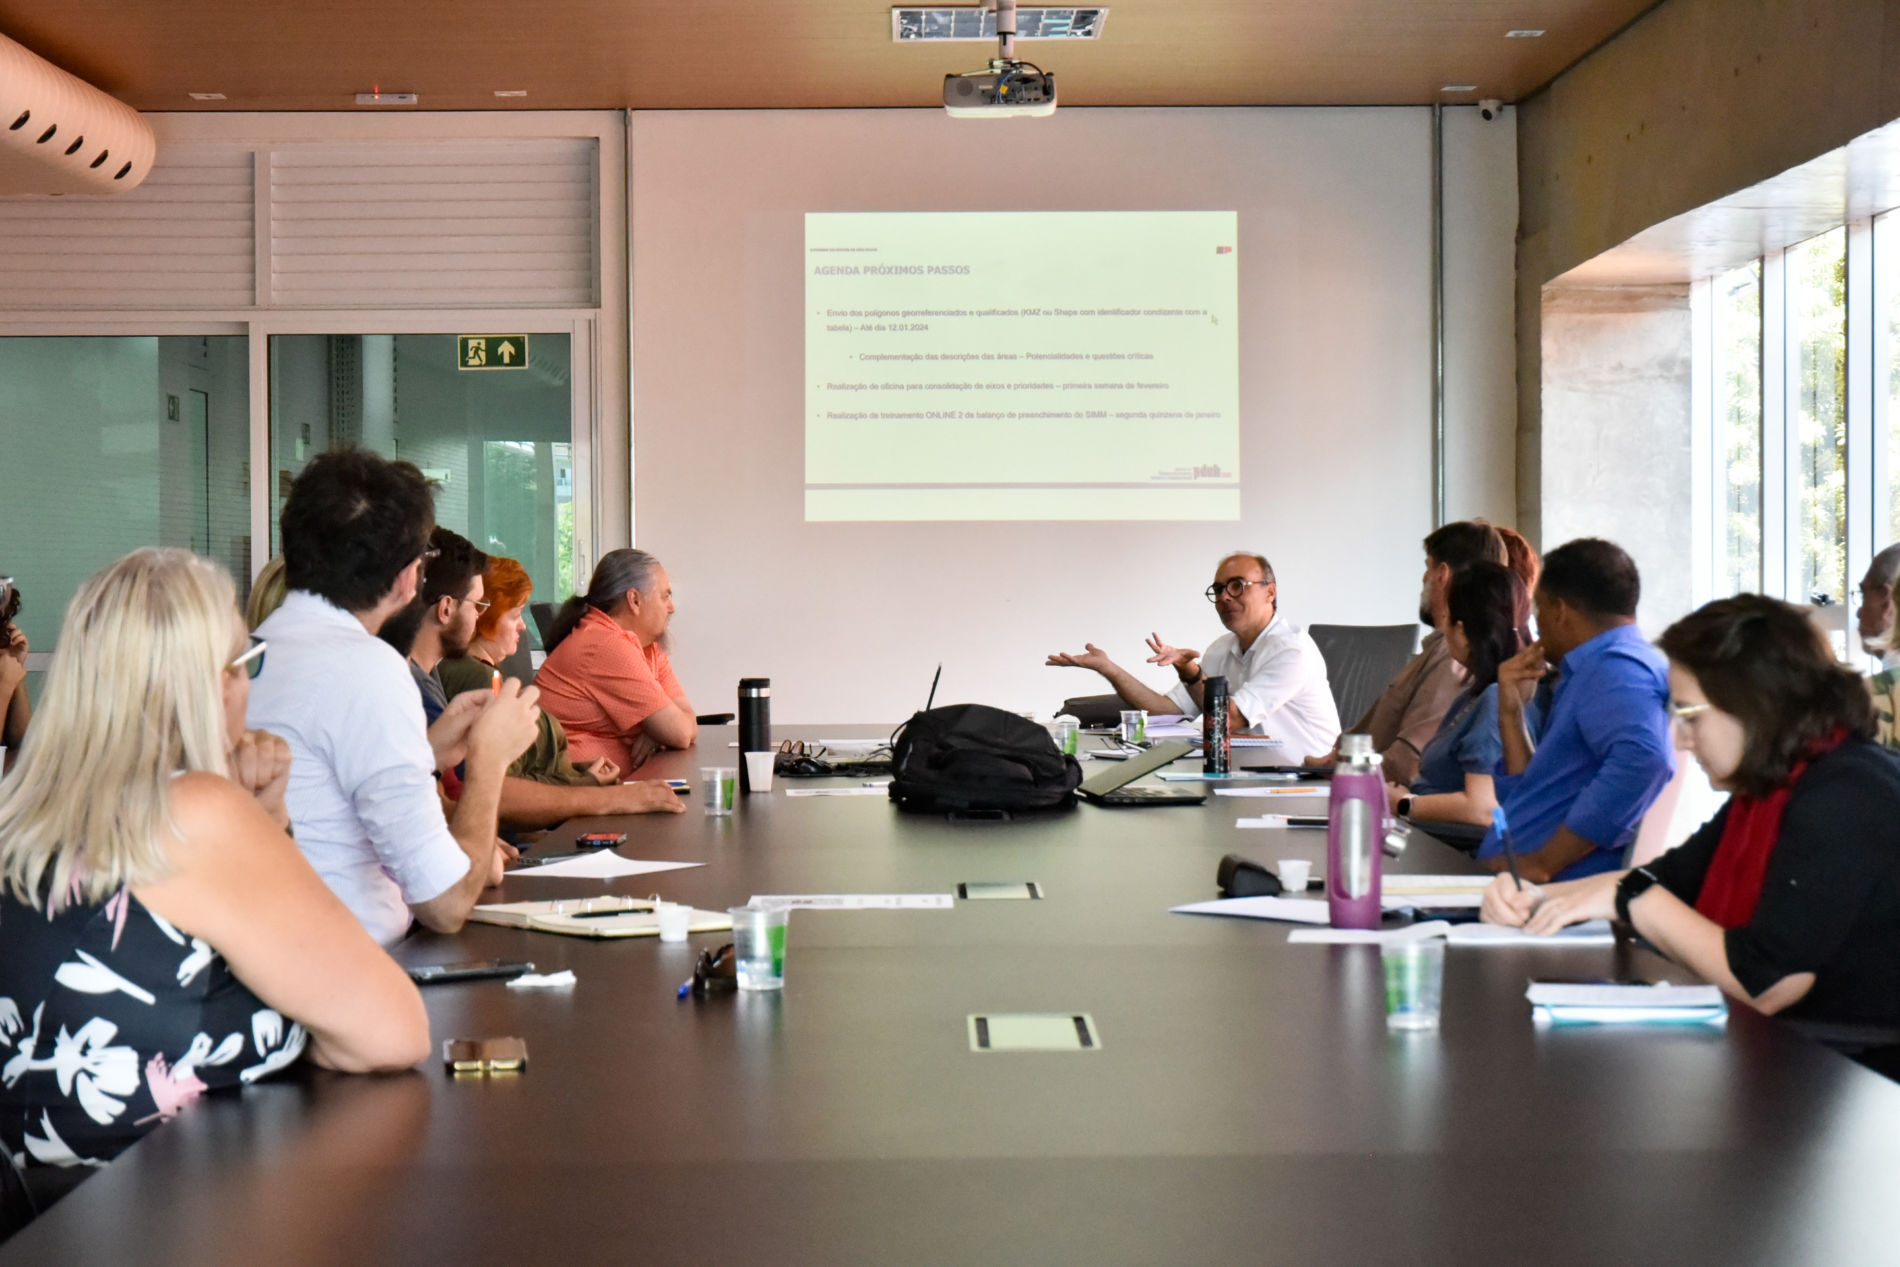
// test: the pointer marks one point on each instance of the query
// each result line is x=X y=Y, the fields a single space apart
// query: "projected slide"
x=1021 y=365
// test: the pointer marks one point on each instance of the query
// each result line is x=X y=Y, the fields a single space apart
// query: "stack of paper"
x=1595 y=932
x=1558 y=1003
x=1368 y=936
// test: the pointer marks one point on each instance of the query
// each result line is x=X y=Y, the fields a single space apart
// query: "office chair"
x=16 y=1200
x=1361 y=660
x=1094 y=710
x=543 y=614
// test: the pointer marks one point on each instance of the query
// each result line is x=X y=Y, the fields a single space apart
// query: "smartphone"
x=473 y=970
x=600 y=839
x=680 y=786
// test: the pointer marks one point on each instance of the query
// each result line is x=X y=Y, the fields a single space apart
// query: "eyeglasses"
x=1683 y=714
x=252 y=661
x=1233 y=588
x=426 y=555
x=478 y=606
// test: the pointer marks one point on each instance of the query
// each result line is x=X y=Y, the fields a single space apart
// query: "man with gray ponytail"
x=607 y=678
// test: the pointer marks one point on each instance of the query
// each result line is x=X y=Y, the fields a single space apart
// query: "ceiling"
x=693 y=54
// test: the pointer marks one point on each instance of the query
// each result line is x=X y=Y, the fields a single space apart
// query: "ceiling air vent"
x=33 y=90
x=977 y=25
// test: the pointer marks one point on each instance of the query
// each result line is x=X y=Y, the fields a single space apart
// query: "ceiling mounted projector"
x=1009 y=89
x=60 y=135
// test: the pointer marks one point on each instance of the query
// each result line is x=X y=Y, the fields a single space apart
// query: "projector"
x=1007 y=90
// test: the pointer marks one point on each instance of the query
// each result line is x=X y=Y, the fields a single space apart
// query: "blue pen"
x=1504 y=837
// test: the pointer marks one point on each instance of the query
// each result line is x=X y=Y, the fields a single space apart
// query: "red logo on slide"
x=1223 y=250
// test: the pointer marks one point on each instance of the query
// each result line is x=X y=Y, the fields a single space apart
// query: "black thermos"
x=1214 y=736
x=755 y=722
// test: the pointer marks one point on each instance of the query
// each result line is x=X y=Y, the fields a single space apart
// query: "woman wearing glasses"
x=1789 y=898
x=160 y=933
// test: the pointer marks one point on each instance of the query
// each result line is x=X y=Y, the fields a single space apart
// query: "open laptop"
x=1109 y=786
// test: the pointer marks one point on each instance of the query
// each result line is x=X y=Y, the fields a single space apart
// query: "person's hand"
x=260 y=764
x=1322 y=759
x=1505 y=903
x=642 y=747
x=448 y=737
x=1573 y=902
x=499 y=860
x=1518 y=676
x=505 y=727
x=1394 y=793
x=650 y=796
x=1093 y=657
x=1180 y=659
x=603 y=771
x=13 y=643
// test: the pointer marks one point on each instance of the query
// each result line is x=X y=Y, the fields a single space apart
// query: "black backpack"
x=971 y=758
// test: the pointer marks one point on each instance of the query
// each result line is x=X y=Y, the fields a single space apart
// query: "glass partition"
x=113 y=443
x=1817 y=328
x=489 y=426
x=1737 y=348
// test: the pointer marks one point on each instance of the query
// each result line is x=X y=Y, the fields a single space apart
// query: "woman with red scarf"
x=1789 y=898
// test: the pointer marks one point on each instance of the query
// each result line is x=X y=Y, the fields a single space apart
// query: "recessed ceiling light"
x=1459 y=88
x=205 y=96
x=511 y=92
x=1522 y=35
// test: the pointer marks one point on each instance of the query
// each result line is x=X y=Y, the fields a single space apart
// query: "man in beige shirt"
x=1406 y=715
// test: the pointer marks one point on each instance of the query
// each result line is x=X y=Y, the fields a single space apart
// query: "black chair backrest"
x=16 y=1201
x=1361 y=660
x=543 y=614
x=520 y=665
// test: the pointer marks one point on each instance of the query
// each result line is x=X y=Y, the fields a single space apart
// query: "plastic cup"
x=675 y=919
x=1134 y=725
x=758 y=945
x=1067 y=732
x=758 y=771
x=719 y=786
x=1414 y=983
x=1294 y=873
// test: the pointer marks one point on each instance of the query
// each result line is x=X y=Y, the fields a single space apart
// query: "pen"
x=686 y=988
x=1504 y=838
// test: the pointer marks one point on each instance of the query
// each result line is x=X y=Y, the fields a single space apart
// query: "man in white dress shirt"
x=1276 y=678
x=362 y=795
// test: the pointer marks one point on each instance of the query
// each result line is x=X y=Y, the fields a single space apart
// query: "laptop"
x=1109 y=786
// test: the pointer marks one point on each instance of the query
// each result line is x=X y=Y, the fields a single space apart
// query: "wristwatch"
x=1405 y=807
x=1199 y=674
x=1633 y=885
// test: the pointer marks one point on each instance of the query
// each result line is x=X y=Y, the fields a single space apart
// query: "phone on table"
x=600 y=840
x=681 y=786
x=472 y=970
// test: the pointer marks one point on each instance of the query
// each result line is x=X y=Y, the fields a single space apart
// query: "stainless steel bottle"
x=755 y=722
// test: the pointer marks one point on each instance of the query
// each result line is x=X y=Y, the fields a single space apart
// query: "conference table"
x=1245 y=1102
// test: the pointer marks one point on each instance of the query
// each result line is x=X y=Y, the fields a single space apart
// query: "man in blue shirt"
x=1575 y=794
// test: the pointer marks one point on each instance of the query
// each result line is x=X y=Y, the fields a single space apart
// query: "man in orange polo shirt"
x=607 y=677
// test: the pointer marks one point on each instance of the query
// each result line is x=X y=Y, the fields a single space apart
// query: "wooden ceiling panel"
x=645 y=54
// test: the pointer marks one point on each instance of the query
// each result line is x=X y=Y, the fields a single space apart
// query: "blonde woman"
x=267 y=592
x=160 y=934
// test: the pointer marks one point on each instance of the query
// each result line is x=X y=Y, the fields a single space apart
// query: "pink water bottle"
x=1355 y=835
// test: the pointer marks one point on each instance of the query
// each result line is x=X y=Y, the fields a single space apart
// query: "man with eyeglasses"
x=1276 y=678
x=441 y=621
x=362 y=793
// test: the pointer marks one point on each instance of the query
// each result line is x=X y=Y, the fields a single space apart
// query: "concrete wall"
x=1616 y=433
x=1695 y=100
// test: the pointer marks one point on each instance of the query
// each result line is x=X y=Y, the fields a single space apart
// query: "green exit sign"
x=491 y=351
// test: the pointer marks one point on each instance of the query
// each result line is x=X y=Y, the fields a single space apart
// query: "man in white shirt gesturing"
x=1276 y=678
x=362 y=795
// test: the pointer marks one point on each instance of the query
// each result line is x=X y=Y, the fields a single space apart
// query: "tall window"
x=1737 y=349
x=1817 y=327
